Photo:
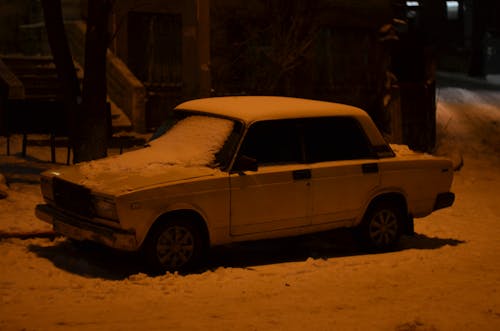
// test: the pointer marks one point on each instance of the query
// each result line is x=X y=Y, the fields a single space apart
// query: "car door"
x=344 y=169
x=276 y=196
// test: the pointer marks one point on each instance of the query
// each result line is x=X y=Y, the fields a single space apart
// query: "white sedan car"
x=230 y=169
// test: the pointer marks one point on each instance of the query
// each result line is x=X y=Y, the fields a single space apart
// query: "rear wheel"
x=174 y=246
x=382 y=226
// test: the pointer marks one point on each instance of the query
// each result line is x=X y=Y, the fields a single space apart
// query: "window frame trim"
x=302 y=139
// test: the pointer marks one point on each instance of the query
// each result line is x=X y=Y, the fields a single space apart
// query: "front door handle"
x=301 y=174
x=369 y=168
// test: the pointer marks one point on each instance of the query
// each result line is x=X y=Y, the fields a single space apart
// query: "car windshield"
x=192 y=139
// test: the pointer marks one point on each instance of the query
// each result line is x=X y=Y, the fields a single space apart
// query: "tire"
x=174 y=246
x=382 y=226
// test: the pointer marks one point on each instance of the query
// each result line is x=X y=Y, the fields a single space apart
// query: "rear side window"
x=335 y=138
x=273 y=142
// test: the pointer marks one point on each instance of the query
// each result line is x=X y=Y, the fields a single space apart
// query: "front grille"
x=72 y=197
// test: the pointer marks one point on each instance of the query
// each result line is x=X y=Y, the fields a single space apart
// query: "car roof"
x=256 y=108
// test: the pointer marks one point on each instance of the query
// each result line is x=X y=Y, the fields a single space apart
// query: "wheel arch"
x=189 y=215
x=397 y=198
x=377 y=229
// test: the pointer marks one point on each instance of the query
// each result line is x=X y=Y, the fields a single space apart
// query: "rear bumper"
x=81 y=229
x=444 y=200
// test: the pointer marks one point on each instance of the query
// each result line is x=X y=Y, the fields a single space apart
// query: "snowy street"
x=446 y=278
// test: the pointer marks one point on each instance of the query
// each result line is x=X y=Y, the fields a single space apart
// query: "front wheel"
x=174 y=246
x=382 y=226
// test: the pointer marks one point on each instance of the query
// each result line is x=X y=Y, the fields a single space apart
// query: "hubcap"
x=384 y=227
x=175 y=247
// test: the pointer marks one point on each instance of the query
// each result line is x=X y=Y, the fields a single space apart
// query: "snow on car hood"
x=186 y=151
x=105 y=176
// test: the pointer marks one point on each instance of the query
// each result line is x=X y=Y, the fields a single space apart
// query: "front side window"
x=335 y=138
x=273 y=142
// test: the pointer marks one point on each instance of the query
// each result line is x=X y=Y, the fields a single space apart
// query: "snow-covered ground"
x=446 y=278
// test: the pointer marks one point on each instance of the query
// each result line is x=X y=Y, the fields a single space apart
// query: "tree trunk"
x=479 y=12
x=93 y=130
x=70 y=86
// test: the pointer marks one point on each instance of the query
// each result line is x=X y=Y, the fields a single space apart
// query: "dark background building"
x=379 y=55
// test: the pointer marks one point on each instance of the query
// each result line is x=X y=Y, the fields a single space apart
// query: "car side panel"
x=208 y=197
x=340 y=189
x=269 y=200
x=421 y=179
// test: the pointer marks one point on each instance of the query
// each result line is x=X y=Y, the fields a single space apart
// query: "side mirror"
x=245 y=163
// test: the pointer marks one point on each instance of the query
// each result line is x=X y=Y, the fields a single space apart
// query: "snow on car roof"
x=254 y=108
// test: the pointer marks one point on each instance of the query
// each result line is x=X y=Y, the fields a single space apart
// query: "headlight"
x=104 y=208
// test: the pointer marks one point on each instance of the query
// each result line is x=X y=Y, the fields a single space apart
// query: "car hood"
x=110 y=176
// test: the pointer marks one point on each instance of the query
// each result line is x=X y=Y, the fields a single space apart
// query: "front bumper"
x=81 y=229
x=444 y=200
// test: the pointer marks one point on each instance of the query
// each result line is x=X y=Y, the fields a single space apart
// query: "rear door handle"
x=301 y=174
x=369 y=168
